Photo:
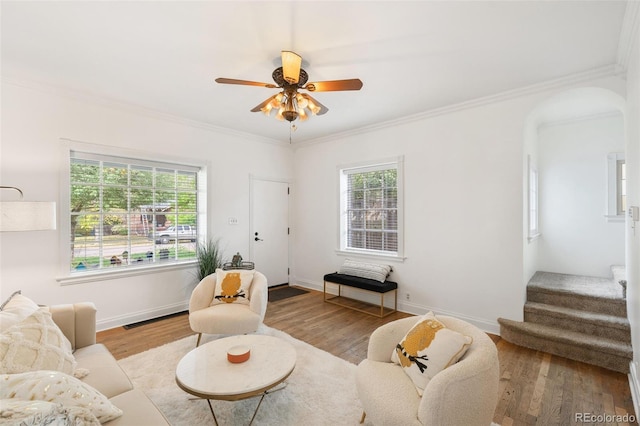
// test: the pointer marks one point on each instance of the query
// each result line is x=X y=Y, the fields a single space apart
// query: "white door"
x=270 y=229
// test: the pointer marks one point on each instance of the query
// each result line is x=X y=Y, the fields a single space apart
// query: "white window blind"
x=120 y=207
x=371 y=208
x=621 y=187
x=533 y=200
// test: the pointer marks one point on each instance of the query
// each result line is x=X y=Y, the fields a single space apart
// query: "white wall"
x=34 y=120
x=633 y=197
x=572 y=164
x=463 y=208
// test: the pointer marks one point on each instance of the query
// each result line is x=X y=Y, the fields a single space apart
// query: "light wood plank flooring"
x=535 y=388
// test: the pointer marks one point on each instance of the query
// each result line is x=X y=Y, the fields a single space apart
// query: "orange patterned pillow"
x=232 y=286
x=427 y=349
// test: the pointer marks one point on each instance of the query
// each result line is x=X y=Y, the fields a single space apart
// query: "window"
x=126 y=212
x=371 y=209
x=534 y=231
x=616 y=187
x=621 y=187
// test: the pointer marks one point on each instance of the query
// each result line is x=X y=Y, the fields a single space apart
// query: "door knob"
x=256 y=238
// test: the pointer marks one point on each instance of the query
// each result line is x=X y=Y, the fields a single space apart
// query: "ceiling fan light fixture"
x=267 y=108
x=315 y=109
x=290 y=112
x=291 y=64
x=302 y=101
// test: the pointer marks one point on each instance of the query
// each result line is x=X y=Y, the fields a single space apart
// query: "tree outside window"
x=118 y=208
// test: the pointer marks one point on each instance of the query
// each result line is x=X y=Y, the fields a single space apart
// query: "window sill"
x=533 y=237
x=614 y=218
x=371 y=255
x=129 y=271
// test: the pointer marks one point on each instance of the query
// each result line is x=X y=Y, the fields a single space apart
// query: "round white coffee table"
x=206 y=373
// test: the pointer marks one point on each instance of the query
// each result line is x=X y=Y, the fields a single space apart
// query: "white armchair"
x=466 y=393
x=206 y=316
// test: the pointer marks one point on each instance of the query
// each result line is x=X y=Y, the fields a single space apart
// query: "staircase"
x=576 y=317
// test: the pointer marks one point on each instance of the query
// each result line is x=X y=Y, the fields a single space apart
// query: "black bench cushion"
x=363 y=283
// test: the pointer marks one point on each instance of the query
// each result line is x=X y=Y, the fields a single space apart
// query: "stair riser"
x=578 y=353
x=580 y=325
x=601 y=306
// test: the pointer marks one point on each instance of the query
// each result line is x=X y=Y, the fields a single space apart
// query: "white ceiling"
x=412 y=56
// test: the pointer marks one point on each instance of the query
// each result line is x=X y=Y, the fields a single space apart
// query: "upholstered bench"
x=365 y=284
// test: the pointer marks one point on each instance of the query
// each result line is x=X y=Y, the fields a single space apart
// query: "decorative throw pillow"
x=427 y=349
x=35 y=343
x=58 y=387
x=15 y=309
x=15 y=293
x=372 y=271
x=31 y=413
x=232 y=286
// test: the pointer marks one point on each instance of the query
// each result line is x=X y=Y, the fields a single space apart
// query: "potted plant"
x=209 y=256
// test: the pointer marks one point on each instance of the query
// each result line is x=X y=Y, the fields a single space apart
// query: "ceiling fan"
x=290 y=77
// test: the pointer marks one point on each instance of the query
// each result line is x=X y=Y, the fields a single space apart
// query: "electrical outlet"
x=408 y=296
x=233 y=221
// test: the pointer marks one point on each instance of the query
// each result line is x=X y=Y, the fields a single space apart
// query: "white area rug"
x=320 y=391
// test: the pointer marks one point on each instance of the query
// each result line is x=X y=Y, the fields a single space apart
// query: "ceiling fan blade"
x=258 y=108
x=334 y=85
x=291 y=64
x=245 y=82
x=323 y=109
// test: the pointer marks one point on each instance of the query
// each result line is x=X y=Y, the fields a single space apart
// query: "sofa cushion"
x=105 y=373
x=138 y=410
x=232 y=286
x=58 y=387
x=428 y=348
x=372 y=271
x=35 y=343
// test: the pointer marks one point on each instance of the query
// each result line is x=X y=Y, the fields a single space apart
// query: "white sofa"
x=78 y=323
x=466 y=393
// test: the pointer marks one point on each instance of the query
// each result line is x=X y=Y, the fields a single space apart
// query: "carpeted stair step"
x=594 y=294
x=595 y=324
x=607 y=353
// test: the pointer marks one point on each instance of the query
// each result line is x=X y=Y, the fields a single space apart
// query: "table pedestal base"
x=262 y=395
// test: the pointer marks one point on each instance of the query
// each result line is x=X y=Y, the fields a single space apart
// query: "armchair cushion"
x=427 y=349
x=232 y=286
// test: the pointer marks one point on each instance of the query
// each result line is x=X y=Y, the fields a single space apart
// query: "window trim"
x=612 y=214
x=398 y=163
x=65 y=276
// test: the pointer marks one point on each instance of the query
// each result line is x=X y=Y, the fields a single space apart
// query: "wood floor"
x=535 y=388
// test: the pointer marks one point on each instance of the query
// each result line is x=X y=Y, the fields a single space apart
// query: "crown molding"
x=567 y=81
x=630 y=24
x=573 y=120
x=132 y=108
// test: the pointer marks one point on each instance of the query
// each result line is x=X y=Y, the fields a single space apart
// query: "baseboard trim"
x=634 y=384
x=412 y=308
x=119 y=321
